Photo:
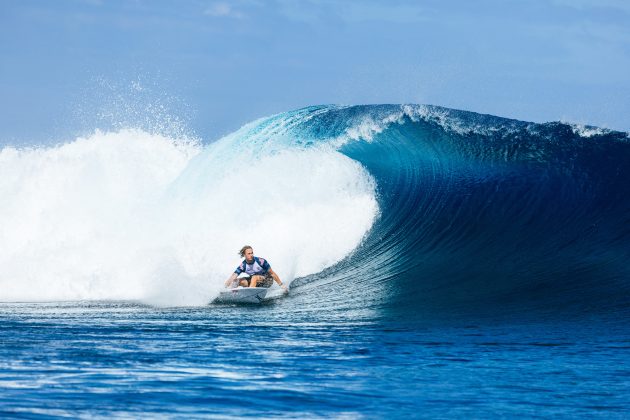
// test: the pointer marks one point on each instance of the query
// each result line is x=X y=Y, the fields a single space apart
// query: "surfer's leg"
x=254 y=281
x=243 y=283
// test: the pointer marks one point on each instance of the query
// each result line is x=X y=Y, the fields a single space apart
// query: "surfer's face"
x=249 y=254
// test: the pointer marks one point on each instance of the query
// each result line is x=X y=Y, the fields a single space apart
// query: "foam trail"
x=132 y=215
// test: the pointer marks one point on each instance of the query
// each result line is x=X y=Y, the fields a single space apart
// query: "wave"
x=400 y=207
x=481 y=211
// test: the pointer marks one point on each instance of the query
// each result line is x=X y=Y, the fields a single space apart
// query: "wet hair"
x=242 y=251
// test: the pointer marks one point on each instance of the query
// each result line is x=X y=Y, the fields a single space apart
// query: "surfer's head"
x=247 y=252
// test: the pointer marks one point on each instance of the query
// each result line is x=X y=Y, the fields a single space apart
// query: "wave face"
x=422 y=207
x=480 y=212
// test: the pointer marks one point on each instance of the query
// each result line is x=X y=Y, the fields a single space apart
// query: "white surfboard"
x=243 y=295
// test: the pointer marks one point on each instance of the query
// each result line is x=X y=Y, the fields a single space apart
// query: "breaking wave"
x=423 y=207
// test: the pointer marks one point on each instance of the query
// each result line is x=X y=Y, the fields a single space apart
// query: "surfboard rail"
x=243 y=295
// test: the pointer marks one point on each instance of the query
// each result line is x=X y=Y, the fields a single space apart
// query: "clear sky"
x=71 y=66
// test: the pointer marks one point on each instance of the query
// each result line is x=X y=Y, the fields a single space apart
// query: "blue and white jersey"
x=258 y=266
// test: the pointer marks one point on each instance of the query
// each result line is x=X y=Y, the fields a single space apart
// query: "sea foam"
x=136 y=216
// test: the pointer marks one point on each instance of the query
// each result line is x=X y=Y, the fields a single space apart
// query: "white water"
x=130 y=215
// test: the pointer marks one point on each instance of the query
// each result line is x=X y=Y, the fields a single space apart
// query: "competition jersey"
x=259 y=266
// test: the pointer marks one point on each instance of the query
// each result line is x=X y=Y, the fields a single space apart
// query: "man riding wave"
x=258 y=269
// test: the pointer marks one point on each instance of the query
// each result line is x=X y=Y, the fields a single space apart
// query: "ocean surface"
x=441 y=263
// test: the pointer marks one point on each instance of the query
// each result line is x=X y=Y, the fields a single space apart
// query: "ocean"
x=441 y=264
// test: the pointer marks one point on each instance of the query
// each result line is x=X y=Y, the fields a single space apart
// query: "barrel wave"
x=402 y=209
x=480 y=213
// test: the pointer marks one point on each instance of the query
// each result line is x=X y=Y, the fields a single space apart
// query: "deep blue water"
x=129 y=360
x=494 y=282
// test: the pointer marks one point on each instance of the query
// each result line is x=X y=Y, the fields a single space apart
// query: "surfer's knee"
x=254 y=281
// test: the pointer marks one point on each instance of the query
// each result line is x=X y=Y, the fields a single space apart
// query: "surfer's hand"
x=285 y=288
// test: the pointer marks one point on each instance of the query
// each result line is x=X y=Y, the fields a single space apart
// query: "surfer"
x=259 y=271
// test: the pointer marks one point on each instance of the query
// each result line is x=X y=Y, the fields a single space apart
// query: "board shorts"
x=266 y=281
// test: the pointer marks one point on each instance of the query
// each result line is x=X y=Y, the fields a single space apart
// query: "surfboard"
x=243 y=295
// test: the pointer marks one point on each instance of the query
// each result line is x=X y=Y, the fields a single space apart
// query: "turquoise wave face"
x=479 y=211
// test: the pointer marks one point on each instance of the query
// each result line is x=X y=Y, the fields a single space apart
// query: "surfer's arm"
x=231 y=280
x=277 y=279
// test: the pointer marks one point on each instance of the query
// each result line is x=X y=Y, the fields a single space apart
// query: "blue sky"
x=68 y=67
